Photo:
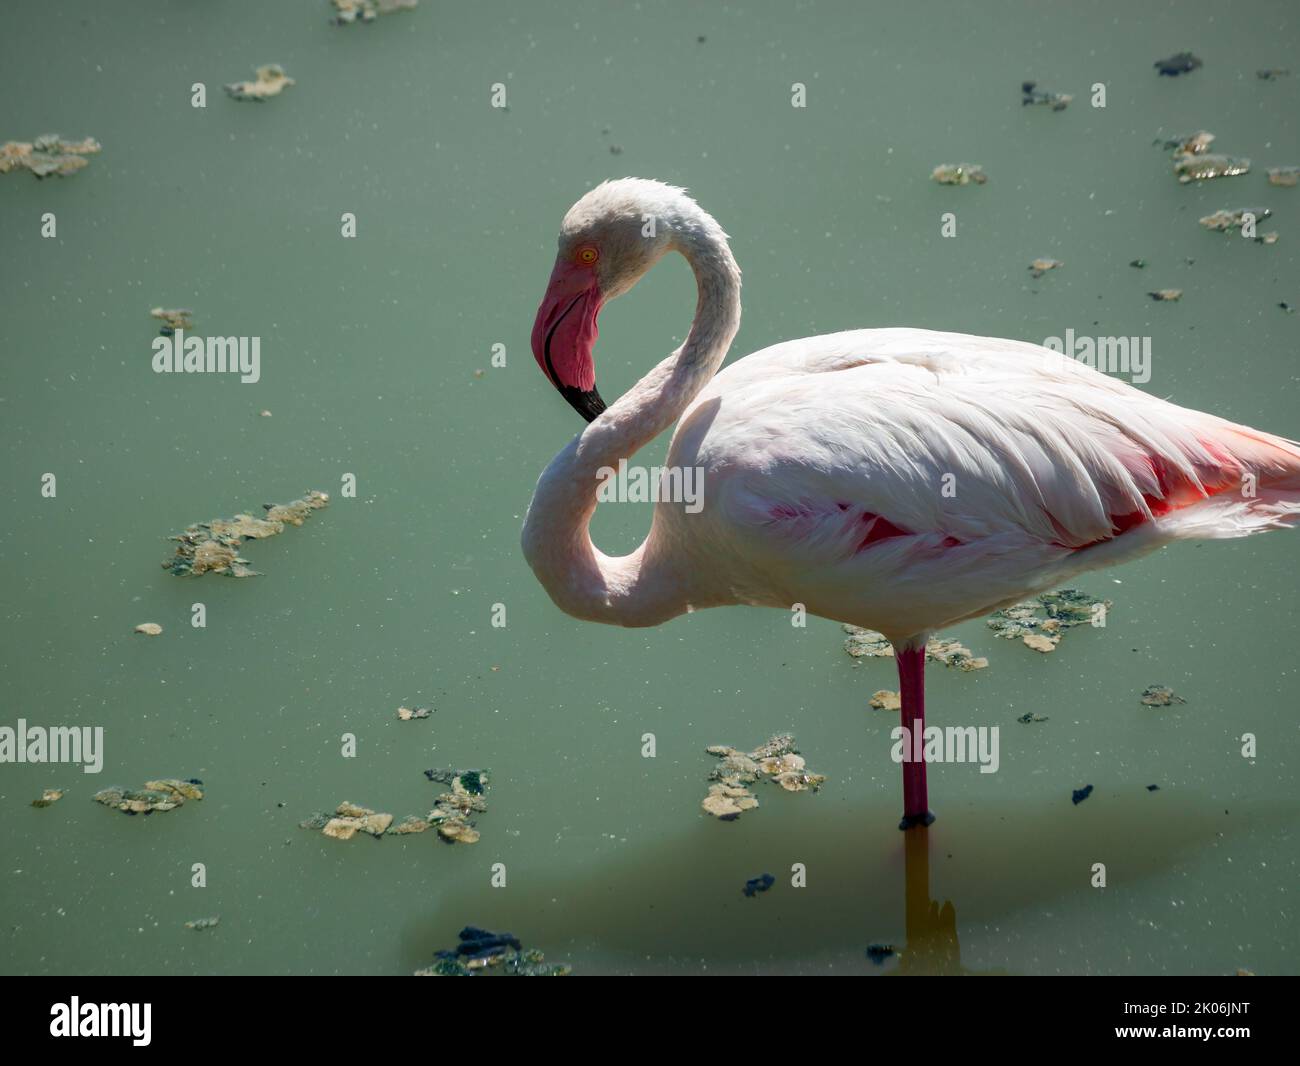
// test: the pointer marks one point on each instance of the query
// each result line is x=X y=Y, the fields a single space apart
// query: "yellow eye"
x=588 y=255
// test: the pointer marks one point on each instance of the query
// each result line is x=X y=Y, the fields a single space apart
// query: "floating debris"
x=297 y=512
x=271 y=81
x=1222 y=221
x=878 y=953
x=1160 y=696
x=1180 y=63
x=456 y=830
x=1287 y=177
x=50 y=795
x=201 y=556
x=204 y=923
x=1153 y=788
x=1166 y=295
x=48 y=155
x=1070 y=607
x=1029 y=717
x=407 y=714
x=164 y=795
x=1139 y=263
x=1192 y=144
x=245 y=525
x=762 y=883
x=1203 y=167
x=347 y=12
x=867 y=643
x=1267 y=238
x=885 y=700
x=1193 y=160
x=1039 y=267
x=353 y=819
x=347 y=821
x=1272 y=73
x=1081 y=794
x=954 y=653
x=450 y=815
x=776 y=760
x=473 y=782
x=1041 y=622
x=728 y=802
x=481 y=951
x=1030 y=94
x=959 y=174
x=1286 y=307
x=149 y=629
x=172 y=320
x=1041 y=642
x=214 y=546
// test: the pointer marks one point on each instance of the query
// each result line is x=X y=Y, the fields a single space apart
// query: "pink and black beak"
x=565 y=332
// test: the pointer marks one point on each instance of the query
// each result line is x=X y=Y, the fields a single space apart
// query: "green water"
x=369 y=352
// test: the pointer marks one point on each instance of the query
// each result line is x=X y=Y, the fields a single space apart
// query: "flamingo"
x=902 y=480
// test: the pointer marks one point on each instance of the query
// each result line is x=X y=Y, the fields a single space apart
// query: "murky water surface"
x=369 y=351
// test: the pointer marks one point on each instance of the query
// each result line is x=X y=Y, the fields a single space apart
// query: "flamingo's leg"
x=911 y=679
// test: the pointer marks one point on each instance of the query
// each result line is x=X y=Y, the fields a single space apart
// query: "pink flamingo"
x=902 y=480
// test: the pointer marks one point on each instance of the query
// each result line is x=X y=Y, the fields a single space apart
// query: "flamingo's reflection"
x=932 y=946
x=675 y=904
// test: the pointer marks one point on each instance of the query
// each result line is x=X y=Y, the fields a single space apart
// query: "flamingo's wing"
x=826 y=446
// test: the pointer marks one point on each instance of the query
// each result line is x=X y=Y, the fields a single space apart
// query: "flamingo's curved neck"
x=642 y=588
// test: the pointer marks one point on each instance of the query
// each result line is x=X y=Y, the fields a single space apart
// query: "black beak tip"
x=588 y=404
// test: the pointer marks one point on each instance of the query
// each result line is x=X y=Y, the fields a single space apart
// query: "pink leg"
x=911 y=680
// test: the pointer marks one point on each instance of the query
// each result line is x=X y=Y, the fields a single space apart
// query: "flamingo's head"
x=608 y=239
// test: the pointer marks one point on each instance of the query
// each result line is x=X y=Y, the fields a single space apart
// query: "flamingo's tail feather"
x=1220 y=517
x=1264 y=492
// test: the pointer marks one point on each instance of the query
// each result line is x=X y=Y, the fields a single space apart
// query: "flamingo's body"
x=897 y=479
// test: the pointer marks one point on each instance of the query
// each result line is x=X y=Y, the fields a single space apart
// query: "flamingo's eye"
x=587 y=255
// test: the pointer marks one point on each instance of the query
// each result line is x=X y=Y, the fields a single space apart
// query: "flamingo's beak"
x=564 y=334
